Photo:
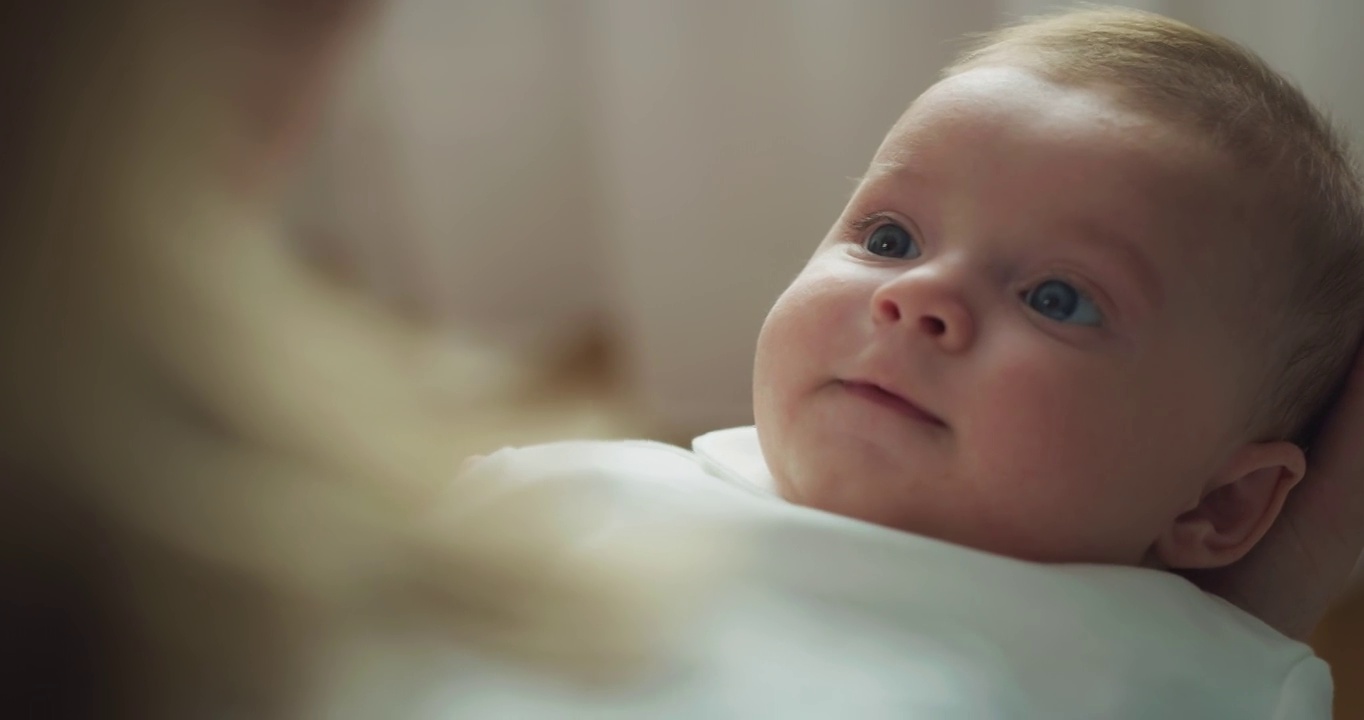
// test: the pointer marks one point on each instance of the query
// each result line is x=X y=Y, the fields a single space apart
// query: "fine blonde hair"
x=1267 y=126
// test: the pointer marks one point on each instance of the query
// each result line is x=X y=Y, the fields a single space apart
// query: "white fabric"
x=835 y=618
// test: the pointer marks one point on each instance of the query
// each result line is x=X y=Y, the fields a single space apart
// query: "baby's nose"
x=929 y=308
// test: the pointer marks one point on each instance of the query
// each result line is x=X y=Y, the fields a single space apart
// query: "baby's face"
x=1019 y=334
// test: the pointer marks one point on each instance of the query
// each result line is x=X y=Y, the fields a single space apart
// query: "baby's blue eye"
x=892 y=241
x=1061 y=302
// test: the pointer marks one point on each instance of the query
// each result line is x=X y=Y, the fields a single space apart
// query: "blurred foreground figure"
x=217 y=477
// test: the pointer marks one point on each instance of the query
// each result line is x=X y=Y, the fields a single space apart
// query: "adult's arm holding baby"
x=1305 y=560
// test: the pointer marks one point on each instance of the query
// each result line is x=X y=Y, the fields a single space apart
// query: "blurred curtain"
x=536 y=170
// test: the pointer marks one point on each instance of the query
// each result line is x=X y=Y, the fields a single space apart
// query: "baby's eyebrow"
x=882 y=168
x=1130 y=257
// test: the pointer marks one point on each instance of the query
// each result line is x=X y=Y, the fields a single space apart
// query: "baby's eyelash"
x=868 y=222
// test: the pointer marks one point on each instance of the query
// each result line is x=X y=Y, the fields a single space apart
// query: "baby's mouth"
x=887 y=398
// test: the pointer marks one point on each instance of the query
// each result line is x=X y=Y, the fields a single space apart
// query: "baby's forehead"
x=1007 y=115
x=996 y=124
x=1034 y=112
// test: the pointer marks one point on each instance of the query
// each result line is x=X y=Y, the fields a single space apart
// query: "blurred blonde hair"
x=216 y=468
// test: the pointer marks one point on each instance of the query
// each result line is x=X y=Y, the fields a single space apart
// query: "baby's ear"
x=1236 y=509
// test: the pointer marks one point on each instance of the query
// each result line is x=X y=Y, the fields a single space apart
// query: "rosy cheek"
x=1036 y=412
x=790 y=335
x=815 y=313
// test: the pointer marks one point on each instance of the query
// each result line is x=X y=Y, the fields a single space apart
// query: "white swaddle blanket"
x=836 y=618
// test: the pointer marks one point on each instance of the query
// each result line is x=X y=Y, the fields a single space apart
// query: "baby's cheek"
x=808 y=328
x=1047 y=418
x=1059 y=468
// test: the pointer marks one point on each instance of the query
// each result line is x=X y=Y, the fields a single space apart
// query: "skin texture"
x=1112 y=431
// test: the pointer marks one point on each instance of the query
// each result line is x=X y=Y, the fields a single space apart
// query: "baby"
x=1083 y=307
x=1077 y=321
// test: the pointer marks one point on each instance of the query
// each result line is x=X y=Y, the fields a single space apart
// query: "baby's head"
x=1085 y=306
